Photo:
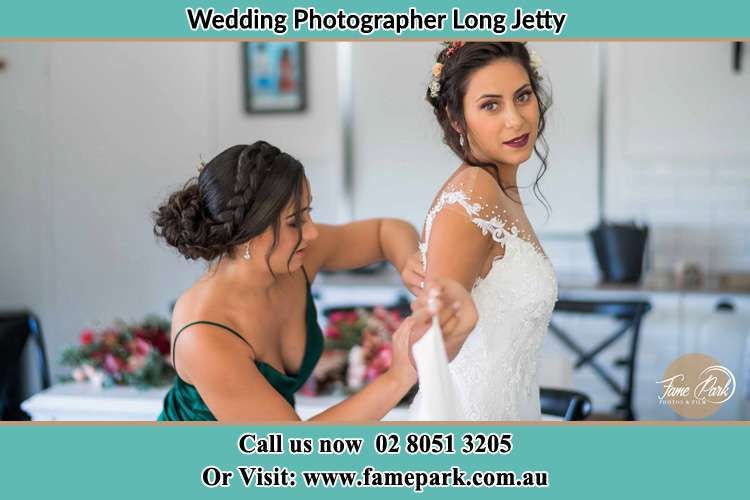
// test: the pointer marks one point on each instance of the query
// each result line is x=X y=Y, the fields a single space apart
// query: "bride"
x=489 y=103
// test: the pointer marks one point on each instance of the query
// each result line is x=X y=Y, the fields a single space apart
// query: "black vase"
x=619 y=250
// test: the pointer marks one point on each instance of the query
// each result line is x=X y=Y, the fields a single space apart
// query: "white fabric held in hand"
x=437 y=399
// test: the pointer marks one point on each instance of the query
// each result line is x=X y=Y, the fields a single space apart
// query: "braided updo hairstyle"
x=458 y=65
x=236 y=197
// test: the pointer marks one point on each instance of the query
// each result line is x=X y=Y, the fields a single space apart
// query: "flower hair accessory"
x=534 y=61
x=451 y=48
x=435 y=80
x=536 y=64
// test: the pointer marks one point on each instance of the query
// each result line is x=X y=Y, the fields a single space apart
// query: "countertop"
x=719 y=284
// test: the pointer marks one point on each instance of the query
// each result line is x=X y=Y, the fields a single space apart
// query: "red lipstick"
x=518 y=142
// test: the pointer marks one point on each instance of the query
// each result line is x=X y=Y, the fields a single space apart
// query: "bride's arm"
x=457 y=313
x=458 y=247
x=455 y=257
x=456 y=253
x=456 y=250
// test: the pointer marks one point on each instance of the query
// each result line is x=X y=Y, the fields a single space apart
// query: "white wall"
x=400 y=161
x=678 y=154
x=94 y=135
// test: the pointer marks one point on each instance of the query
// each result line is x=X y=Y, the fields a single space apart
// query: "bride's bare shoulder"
x=474 y=182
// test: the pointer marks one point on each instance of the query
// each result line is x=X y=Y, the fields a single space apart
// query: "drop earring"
x=461 y=140
x=246 y=256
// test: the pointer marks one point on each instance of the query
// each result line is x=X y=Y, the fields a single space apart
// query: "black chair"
x=570 y=405
x=629 y=314
x=16 y=328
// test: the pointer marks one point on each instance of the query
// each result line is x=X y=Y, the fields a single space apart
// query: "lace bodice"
x=495 y=371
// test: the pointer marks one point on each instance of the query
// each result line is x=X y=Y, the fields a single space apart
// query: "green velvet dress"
x=183 y=402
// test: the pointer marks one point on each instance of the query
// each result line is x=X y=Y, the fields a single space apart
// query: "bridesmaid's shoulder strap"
x=212 y=323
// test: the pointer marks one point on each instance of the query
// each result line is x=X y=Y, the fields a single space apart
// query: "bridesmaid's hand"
x=412 y=274
x=455 y=309
x=403 y=367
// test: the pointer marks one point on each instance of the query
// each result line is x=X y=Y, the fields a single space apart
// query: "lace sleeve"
x=462 y=226
x=472 y=224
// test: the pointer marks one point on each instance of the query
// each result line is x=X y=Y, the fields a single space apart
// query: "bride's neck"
x=508 y=176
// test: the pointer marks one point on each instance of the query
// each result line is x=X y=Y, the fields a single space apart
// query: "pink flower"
x=385 y=356
x=382 y=360
x=371 y=374
x=396 y=318
x=161 y=342
x=310 y=388
x=113 y=364
x=87 y=337
x=452 y=47
x=336 y=317
x=139 y=347
x=371 y=342
x=110 y=337
x=332 y=332
x=379 y=312
x=136 y=362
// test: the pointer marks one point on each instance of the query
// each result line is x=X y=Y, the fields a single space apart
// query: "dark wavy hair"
x=236 y=197
x=459 y=64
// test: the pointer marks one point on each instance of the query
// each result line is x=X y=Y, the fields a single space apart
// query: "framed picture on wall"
x=274 y=77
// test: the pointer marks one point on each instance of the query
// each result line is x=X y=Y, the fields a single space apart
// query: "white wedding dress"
x=494 y=375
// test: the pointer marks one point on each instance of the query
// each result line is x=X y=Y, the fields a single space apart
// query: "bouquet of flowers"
x=123 y=354
x=357 y=349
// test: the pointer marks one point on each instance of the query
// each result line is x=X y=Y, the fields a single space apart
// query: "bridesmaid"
x=247 y=329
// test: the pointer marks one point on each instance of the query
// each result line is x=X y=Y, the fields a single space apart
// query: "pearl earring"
x=461 y=140
x=247 y=252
